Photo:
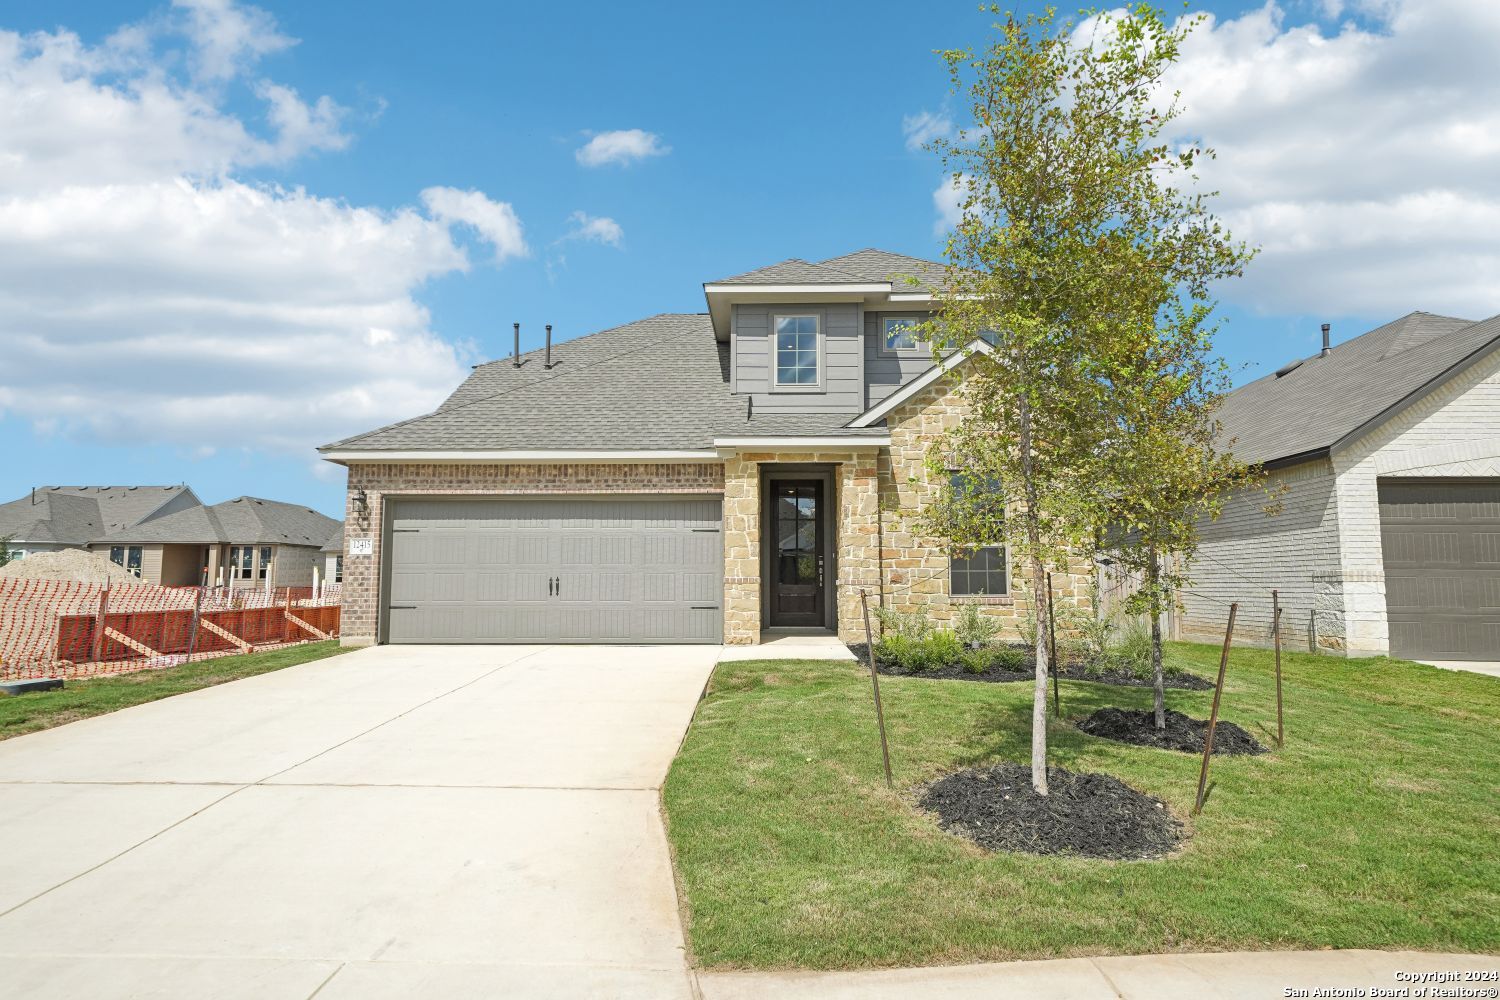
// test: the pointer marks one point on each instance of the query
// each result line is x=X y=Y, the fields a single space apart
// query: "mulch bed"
x=996 y=675
x=1125 y=725
x=1089 y=815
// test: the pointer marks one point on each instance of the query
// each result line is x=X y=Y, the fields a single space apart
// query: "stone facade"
x=915 y=567
x=361 y=591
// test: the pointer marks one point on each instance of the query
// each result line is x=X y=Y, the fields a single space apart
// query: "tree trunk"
x=1158 y=674
x=1042 y=597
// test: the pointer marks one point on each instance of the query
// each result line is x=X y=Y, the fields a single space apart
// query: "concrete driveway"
x=394 y=822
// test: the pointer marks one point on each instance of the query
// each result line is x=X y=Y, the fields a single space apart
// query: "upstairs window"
x=796 y=350
x=899 y=333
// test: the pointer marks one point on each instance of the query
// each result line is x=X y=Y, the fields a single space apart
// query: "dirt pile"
x=1183 y=732
x=69 y=564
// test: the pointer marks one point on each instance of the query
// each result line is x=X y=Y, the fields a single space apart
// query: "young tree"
x=5 y=556
x=1164 y=470
x=1072 y=242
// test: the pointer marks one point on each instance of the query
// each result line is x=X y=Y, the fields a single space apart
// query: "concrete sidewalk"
x=394 y=822
x=1231 y=976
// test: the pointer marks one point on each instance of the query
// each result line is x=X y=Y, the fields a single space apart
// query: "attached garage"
x=1441 y=544
x=623 y=568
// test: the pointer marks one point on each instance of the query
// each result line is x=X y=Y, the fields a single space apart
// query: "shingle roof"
x=659 y=384
x=73 y=515
x=243 y=520
x=795 y=272
x=882 y=265
x=335 y=540
x=1323 y=399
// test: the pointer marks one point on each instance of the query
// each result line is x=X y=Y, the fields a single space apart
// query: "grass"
x=1378 y=825
x=28 y=713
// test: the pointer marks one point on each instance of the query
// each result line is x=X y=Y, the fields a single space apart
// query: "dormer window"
x=900 y=333
x=797 y=351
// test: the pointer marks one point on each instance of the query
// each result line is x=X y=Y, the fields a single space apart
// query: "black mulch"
x=1091 y=815
x=996 y=675
x=1182 y=733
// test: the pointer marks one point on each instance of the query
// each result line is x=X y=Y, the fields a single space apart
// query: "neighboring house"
x=166 y=535
x=687 y=477
x=332 y=570
x=1388 y=448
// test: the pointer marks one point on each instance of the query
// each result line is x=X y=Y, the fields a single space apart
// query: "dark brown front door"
x=797 y=552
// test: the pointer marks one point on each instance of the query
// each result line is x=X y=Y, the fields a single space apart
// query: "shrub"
x=930 y=652
x=914 y=625
x=943 y=647
x=973 y=628
x=977 y=661
x=1132 y=650
x=1009 y=658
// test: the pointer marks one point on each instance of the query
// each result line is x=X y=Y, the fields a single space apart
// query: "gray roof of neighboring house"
x=243 y=520
x=657 y=384
x=74 y=515
x=335 y=542
x=1324 y=400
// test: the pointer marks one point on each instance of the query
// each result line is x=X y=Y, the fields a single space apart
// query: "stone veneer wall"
x=857 y=537
x=916 y=565
x=362 y=573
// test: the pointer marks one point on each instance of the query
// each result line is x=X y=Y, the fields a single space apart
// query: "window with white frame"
x=338 y=569
x=264 y=567
x=129 y=556
x=797 y=350
x=982 y=571
x=241 y=562
x=899 y=334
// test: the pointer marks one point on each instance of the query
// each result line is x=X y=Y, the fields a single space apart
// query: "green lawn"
x=1377 y=826
x=27 y=713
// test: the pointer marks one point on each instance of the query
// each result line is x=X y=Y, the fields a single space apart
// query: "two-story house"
x=683 y=478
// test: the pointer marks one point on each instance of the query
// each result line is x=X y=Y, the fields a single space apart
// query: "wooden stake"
x=193 y=627
x=1052 y=642
x=1213 y=717
x=286 y=623
x=1276 y=631
x=99 y=627
x=885 y=750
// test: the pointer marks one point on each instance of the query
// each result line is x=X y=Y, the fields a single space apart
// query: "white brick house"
x=1388 y=540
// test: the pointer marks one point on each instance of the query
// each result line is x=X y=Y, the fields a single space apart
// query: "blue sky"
x=216 y=272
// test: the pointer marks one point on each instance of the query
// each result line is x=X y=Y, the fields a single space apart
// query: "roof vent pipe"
x=1327 y=349
x=515 y=354
x=547 y=363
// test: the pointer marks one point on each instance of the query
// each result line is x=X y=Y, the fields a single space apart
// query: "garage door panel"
x=1441 y=544
x=586 y=569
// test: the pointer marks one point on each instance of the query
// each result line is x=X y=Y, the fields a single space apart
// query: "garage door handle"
x=549 y=586
x=403 y=607
x=705 y=607
x=559 y=586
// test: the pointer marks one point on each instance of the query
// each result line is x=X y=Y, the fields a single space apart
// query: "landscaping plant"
x=974 y=628
x=1075 y=255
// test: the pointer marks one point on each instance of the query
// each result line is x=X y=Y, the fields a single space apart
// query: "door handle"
x=549 y=586
x=820 y=571
x=559 y=585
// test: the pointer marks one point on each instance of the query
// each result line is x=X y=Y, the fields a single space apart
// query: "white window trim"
x=916 y=385
x=919 y=349
x=798 y=387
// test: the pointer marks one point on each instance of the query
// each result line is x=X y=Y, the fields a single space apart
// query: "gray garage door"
x=555 y=569
x=1442 y=569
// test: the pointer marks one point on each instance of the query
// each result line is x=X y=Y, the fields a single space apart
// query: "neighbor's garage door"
x=555 y=569
x=1442 y=569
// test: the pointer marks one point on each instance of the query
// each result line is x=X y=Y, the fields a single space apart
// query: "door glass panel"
x=797 y=548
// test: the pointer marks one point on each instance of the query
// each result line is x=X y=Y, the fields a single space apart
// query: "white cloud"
x=495 y=221
x=1364 y=161
x=1362 y=157
x=150 y=294
x=923 y=127
x=621 y=147
x=594 y=229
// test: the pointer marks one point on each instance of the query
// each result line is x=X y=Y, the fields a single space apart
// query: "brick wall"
x=379 y=480
x=1246 y=553
x=1454 y=431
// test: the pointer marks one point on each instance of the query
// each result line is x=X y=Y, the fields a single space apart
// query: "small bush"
x=1009 y=658
x=973 y=628
x=943 y=647
x=934 y=650
x=1132 y=650
x=977 y=661
x=914 y=625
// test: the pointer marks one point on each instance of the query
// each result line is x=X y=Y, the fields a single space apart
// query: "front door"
x=797 y=553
